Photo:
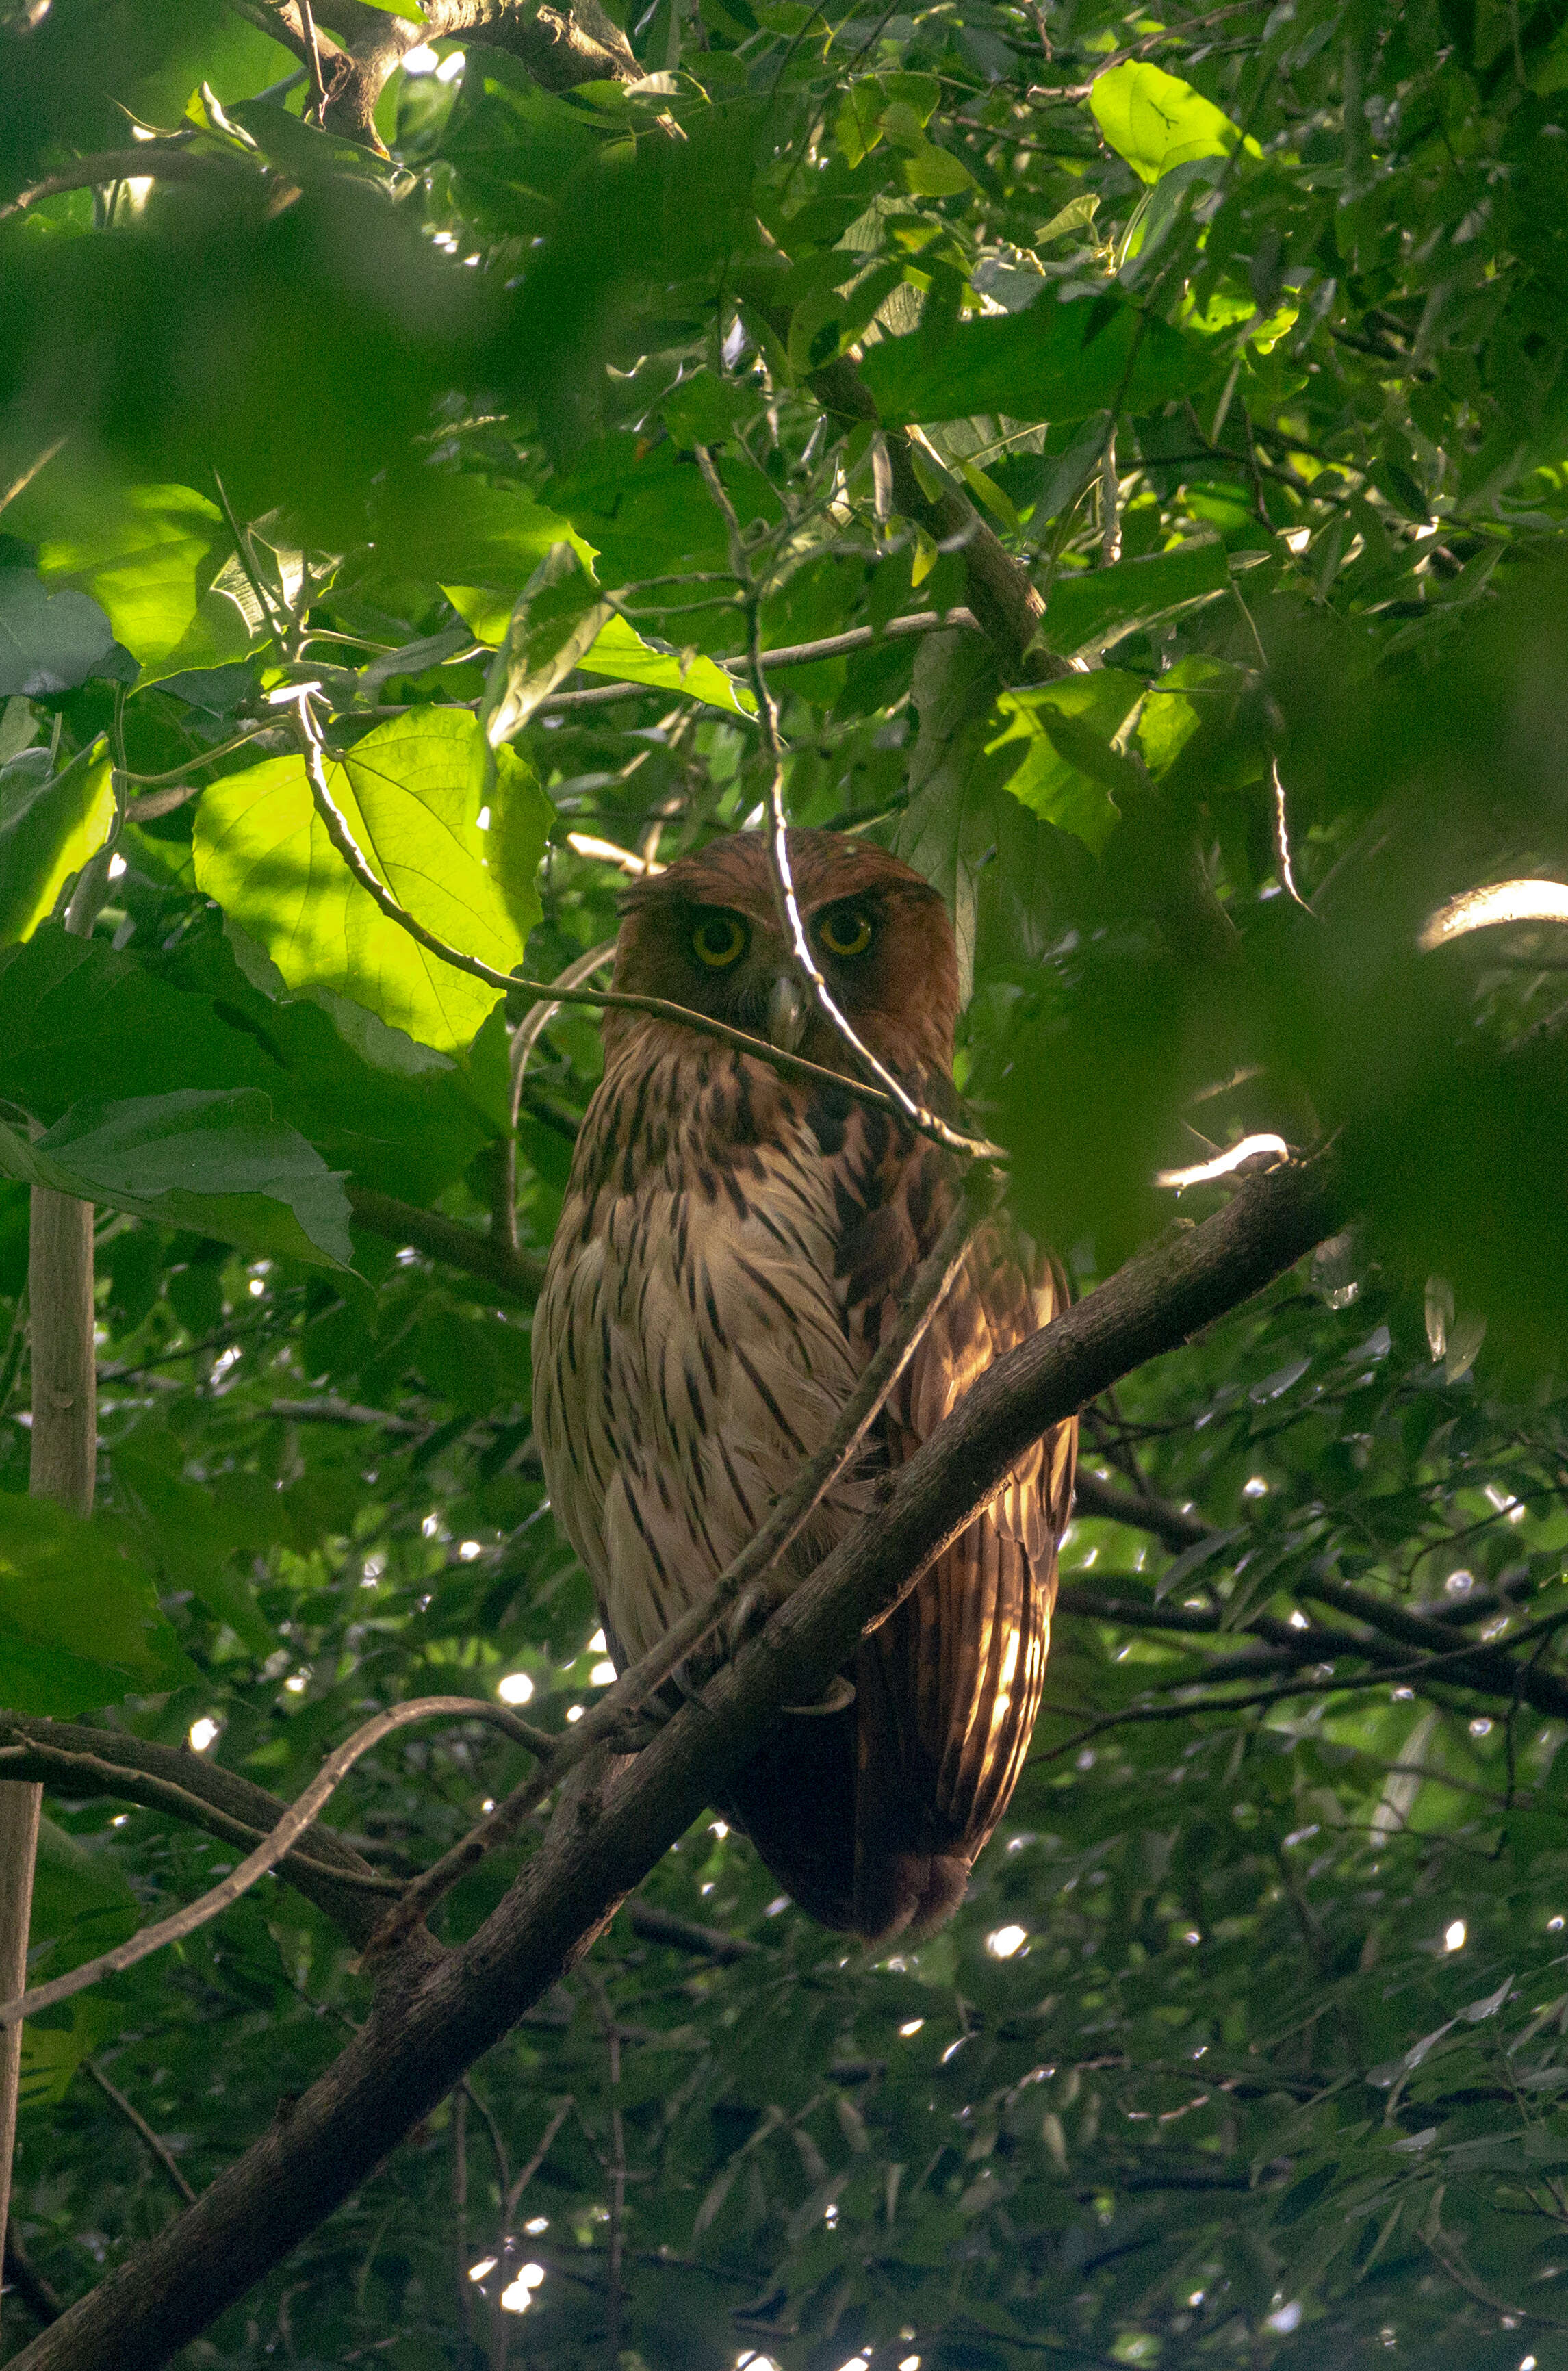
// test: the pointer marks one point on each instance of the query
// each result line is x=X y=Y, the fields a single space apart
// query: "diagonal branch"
x=753 y=1569
x=611 y=1826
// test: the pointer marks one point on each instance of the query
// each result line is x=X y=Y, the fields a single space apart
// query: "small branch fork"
x=292 y=1825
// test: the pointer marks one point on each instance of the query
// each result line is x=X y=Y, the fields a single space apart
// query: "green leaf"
x=1156 y=120
x=219 y=1164
x=930 y=171
x=49 y=828
x=1056 y=361
x=147 y=555
x=80 y=1621
x=188 y=1533
x=81 y=1903
x=431 y=526
x=619 y=650
x=49 y=643
x=1089 y=611
x=410 y=793
x=1068 y=770
x=53 y=2053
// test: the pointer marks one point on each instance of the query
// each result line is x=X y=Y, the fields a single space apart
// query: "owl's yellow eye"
x=845 y=930
x=719 y=941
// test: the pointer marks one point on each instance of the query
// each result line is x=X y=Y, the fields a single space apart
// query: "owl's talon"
x=838 y=1696
x=748 y=1617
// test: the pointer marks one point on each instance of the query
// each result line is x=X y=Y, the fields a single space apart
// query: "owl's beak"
x=786 y=1012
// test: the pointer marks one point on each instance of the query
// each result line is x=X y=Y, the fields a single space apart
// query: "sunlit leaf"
x=1156 y=120
x=411 y=792
x=50 y=824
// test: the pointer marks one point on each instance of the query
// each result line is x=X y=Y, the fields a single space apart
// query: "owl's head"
x=706 y=935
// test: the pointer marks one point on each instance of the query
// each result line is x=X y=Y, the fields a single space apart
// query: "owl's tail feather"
x=907 y=1893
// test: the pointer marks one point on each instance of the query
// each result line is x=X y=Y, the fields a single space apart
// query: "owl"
x=732 y=1250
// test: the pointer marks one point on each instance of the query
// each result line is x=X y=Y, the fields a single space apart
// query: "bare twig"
x=143 y=2129
x=293 y=1824
x=514 y=2189
x=928 y=1123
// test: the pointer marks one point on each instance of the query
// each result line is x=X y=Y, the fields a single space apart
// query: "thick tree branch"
x=612 y=1826
x=103 y=1761
x=560 y=47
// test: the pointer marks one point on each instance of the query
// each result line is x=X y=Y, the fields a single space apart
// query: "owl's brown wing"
x=872 y=1817
x=948 y=1688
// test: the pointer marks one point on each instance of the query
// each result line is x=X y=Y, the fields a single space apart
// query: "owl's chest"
x=696 y=1341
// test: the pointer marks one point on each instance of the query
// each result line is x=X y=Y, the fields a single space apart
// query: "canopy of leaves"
x=1238 y=335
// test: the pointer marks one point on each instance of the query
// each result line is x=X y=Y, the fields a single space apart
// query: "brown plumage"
x=733 y=1248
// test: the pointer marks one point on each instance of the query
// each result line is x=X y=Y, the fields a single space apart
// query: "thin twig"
x=313 y=62
x=144 y=2131
x=894 y=1091
x=294 y=1821
x=19 y=484
x=525 y=1037
x=789 y=1518
x=514 y=2193
x=61 y=1764
x=616 y=2166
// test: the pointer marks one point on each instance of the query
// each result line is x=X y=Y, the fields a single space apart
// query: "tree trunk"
x=65 y=1451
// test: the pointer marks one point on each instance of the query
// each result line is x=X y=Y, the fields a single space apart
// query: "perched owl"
x=732 y=1250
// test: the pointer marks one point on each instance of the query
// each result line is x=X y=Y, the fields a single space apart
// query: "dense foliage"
x=1241 y=335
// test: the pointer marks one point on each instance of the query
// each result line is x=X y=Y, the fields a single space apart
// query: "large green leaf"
x=49 y=828
x=1068 y=772
x=78 y=1021
x=219 y=1164
x=412 y=794
x=1156 y=120
x=48 y=642
x=1089 y=611
x=431 y=525
x=148 y=556
x=79 y=1620
x=1052 y=361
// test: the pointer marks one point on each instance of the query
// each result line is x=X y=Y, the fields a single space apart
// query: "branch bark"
x=560 y=47
x=612 y=1824
x=65 y=1462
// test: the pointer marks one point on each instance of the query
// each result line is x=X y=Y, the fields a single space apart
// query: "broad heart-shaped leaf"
x=1068 y=769
x=53 y=2053
x=1154 y=120
x=1087 y=612
x=48 y=642
x=147 y=555
x=219 y=1164
x=79 y=1620
x=410 y=793
x=49 y=828
x=1052 y=361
